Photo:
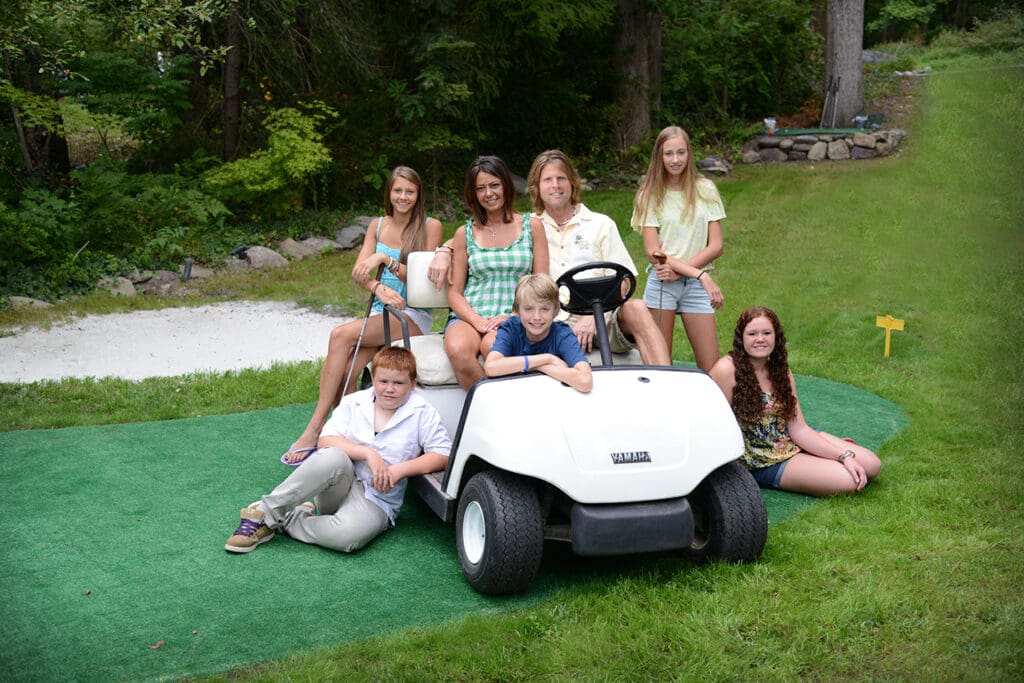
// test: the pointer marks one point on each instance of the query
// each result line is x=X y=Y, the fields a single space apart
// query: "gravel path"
x=167 y=342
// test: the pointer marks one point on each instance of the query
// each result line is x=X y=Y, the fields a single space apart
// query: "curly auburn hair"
x=746 y=395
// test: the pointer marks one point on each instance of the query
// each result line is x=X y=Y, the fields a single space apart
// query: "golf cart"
x=645 y=462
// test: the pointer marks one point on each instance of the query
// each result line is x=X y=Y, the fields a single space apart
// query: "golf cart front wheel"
x=500 y=532
x=729 y=517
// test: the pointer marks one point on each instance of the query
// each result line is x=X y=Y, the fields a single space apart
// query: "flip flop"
x=295 y=451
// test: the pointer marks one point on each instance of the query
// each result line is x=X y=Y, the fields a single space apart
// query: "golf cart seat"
x=432 y=364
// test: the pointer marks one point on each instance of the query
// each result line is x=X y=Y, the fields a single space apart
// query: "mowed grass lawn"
x=917 y=578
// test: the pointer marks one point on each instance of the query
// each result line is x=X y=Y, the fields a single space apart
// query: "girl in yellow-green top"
x=679 y=213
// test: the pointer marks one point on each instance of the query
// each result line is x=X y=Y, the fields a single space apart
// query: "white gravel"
x=167 y=342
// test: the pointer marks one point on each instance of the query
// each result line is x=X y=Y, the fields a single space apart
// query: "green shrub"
x=1003 y=33
x=273 y=181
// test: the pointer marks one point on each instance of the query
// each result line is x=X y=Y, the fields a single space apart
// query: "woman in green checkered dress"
x=492 y=251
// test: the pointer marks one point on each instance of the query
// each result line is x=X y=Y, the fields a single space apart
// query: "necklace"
x=562 y=224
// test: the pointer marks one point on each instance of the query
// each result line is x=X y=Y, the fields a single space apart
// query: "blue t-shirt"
x=511 y=341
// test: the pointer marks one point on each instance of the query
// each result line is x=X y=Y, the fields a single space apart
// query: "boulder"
x=350 y=237
x=119 y=286
x=773 y=154
x=818 y=152
x=786 y=144
x=866 y=140
x=163 y=282
x=28 y=302
x=768 y=141
x=297 y=250
x=802 y=146
x=806 y=139
x=862 y=153
x=797 y=155
x=714 y=164
x=321 y=244
x=261 y=257
x=751 y=156
x=837 y=150
x=234 y=265
x=882 y=149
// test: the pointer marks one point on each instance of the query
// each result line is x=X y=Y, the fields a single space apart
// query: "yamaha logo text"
x=627 y=457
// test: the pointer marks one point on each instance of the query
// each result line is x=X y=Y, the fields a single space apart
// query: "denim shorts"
x=685 y=295
x=769 y=477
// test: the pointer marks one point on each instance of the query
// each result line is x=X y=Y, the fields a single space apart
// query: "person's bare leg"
x=816 y=476
x=665 y=321
x=635 y=321
x=335 y=368
x=703 y=335
x=462 y=343
x=866 y=458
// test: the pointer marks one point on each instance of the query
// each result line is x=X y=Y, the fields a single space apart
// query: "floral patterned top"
x=767 y=441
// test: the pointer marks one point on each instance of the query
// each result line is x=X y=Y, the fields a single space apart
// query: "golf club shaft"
x=660 y=257
x=362 y=331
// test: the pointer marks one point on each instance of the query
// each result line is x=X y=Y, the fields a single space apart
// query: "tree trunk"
x=843 y=47
x=637 y=59
x=232 y=86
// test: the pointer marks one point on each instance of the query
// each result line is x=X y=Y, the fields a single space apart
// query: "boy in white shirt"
x=374 y=441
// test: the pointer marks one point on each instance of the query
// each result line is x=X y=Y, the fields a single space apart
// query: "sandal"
x=308 y=450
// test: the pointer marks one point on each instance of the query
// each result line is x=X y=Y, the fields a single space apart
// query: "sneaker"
x=251 y=532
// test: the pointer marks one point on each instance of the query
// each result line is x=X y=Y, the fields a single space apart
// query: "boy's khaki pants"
x=347 y=520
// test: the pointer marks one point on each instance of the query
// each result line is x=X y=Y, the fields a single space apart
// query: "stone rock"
x=862 y=153
x=797 y=155
x=139 y=276
x=802 y=146
x=849 y=142
x=826 y=138
x=119 y=286
x=818 y=152
x=786 y=144
x=297 y=250
x=234 y=265
x=750 y=145
x=350 y=237
x=864 y=140
x=363 y=220
x=773 y=154
x=261 y=257
x=163 y=282
x=837 y=150
x=768 y=141
x=751 y=156
x=321 y=244
x=806 y=139
x=28 y=302
x=882 y=149
x=714 y=164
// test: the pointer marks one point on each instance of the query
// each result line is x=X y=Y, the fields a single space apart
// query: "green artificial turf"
x=113 y=545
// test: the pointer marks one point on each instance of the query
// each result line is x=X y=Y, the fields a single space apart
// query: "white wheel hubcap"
x=474 y=534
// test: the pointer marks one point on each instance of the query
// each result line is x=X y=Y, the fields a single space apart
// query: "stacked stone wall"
x=822 y=146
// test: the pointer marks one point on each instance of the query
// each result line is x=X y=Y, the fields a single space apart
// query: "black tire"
x=729 y=517
x=500 y=532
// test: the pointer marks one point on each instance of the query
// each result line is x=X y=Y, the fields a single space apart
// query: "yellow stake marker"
x=889 y=323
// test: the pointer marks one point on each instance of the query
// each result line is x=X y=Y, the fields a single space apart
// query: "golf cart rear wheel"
x=500 y=532
x=729 y=517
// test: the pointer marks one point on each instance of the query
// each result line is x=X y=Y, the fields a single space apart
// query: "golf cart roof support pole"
x=387 y=325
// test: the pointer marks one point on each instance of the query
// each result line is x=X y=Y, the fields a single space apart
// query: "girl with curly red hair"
x=780 y=449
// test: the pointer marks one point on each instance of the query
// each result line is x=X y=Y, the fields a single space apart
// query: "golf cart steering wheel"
x=602 y=290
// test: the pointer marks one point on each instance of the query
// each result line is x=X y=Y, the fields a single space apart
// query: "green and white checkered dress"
x=494 y=272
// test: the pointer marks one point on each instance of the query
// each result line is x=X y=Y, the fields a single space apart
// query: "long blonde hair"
x=414 y=235
x=653 y=186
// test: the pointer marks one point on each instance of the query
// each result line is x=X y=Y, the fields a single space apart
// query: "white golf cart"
x=647 y=461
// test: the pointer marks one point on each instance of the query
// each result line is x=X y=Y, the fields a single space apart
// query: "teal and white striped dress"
x=494 y=272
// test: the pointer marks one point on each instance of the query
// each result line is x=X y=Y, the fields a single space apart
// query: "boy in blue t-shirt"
x=530 y=339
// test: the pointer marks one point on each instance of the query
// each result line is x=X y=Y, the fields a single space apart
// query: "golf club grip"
x=369 y=305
